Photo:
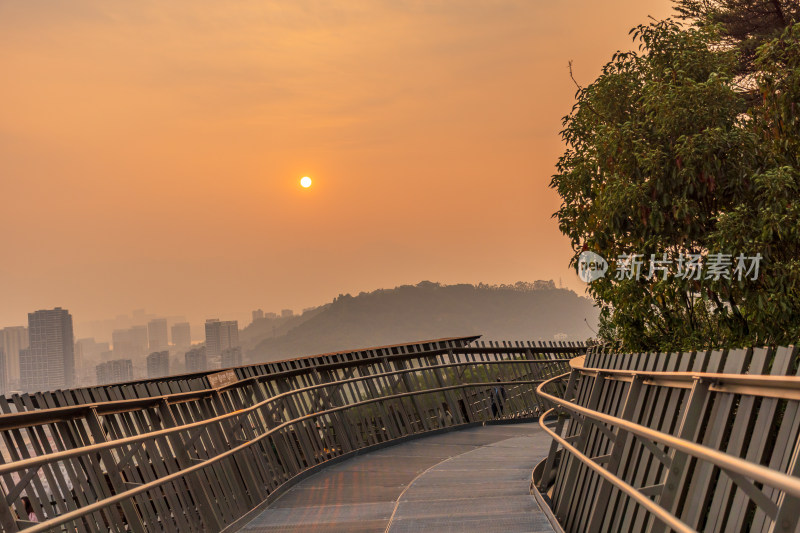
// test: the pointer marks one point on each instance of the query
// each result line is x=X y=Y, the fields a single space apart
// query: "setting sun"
x=305 y=182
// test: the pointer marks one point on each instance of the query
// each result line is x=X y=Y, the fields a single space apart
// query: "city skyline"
x=140 y=319
x=155 y=151
x=47 y=355
x=387 y=316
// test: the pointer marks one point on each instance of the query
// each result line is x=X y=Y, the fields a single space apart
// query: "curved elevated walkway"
x=475 y=479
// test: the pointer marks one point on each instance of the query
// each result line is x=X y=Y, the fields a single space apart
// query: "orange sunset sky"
x=150 y=152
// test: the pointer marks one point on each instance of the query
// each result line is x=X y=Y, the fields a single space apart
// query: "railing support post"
x=687 y=429
x=203 y=502
x=547 y=472
x=583 y=438
x=618 y=447
x=788 y=514
x=114 y=474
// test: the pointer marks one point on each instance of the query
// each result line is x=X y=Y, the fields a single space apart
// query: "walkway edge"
x=546 y=510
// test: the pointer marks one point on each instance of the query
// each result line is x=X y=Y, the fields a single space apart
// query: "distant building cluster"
x=260 y=314
x=157 y=334
x=132 y=342
x=181 y=335
x=538 y=285
x=221 y=335
x=231 y=357
x=158 y=364
x=44 y=356
x=195 y=359
x=114 y=371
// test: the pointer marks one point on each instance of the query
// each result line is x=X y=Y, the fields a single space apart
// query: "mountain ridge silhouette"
x=408 y=313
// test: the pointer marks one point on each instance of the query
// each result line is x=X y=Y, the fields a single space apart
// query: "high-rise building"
x=114 y=371
x=121 y=342
x=157 y=334
x=287 y=313
x=158 y=364
x=88 y=350
x=140 y=340
x=88 y=353
x=130 y=343
x=258 y=314
x=231 y=357
x=220 y=335
x=181 y=334
x=12 y=340
x=3 y=374
x=49 y=361
x=195 y=359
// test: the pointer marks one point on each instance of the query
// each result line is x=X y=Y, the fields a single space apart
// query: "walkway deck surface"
x=475 y=479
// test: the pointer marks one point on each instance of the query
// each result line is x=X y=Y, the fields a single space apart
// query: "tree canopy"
x=670 y=161
x=745 y=24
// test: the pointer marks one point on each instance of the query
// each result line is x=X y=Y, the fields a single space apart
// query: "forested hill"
x=535 y=311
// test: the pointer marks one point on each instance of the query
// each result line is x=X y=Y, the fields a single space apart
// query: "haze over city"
x=150 y=154
x=399 y=265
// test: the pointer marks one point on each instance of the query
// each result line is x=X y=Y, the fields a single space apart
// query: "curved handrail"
x=785 y=387
x=779 y=480
x=754 y=471
x=663 y=481
x=39 y=460
x=101 y=504
x=664 y=515
x=254 y=421
x=37 y=416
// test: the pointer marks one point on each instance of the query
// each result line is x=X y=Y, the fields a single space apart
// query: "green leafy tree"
x=667 y=156
x=745 y=24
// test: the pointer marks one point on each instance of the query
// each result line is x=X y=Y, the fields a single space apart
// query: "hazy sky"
x=150 y=152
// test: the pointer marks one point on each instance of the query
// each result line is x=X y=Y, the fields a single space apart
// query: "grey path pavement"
x=475 y=479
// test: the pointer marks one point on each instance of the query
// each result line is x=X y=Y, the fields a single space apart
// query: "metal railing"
x=204 y=460
x=683 y=441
